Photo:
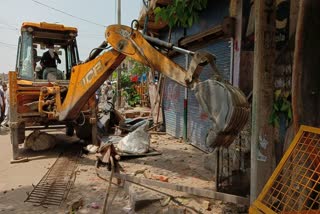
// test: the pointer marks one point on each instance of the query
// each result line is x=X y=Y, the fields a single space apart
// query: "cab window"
x=25 y=61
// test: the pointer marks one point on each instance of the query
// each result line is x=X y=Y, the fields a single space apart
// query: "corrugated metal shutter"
x=173 y=107
x=198 y=122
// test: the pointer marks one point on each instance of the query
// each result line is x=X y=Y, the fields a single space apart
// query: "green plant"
x=281 y=107
x=181 y=13
x=132 y=97
x=138 y=68
x=133 y=68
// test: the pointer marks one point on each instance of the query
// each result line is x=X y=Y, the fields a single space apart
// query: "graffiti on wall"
x=171 y=95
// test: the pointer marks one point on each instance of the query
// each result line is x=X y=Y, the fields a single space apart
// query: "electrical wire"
x=68 y=14
x=6 y=28
x=3 y=22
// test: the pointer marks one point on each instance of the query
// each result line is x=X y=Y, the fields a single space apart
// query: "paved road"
x=17 y=179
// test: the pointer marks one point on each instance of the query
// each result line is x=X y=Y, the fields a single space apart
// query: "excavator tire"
x=84 y=132
x=20 y=133
x=69 y=130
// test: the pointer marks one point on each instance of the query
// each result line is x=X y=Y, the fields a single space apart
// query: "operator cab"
x=35 y=40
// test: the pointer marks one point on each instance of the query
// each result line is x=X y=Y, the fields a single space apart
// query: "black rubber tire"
x=69 y=130
x=84 y=132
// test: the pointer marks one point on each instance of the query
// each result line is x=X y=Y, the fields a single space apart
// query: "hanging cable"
x=68 y=14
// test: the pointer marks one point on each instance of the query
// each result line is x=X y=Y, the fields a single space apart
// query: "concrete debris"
x=94 y=188
x=206 y=205
x=94 y=205
x=39 y=141
x=165 y=201
x=76 y=204
x=172 y=209
x=141 y=198
x=140 y=171
x=160 y=178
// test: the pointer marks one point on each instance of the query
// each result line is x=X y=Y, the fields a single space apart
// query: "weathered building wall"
x=173 y=102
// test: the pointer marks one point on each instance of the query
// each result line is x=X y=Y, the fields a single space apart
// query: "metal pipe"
x=168 y=45
x=45 y=127
x=183 y=51
x=185 y=106
x=119 y=69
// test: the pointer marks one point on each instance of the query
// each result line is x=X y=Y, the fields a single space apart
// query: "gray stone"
x=141 y=198
x=39 y=141
x=172 y=209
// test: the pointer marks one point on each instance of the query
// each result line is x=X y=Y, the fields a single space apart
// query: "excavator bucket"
x=226 y=106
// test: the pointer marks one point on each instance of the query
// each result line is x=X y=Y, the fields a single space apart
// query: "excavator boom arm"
x=88 y=77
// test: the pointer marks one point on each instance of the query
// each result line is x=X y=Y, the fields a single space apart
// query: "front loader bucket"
x=226 y=106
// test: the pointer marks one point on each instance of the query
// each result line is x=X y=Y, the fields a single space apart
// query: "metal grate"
x=294 y=187
x=55 y=185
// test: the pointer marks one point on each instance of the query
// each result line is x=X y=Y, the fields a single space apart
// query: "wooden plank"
x=210 y=32
x=154 y=99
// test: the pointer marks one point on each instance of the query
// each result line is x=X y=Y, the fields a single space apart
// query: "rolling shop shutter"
x=198 y=121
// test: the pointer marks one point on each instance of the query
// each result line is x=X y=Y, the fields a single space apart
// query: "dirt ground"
x=178 y=163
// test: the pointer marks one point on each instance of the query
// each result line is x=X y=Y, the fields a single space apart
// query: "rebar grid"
x=55 y=185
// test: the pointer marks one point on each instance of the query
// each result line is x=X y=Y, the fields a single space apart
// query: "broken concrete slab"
x=140 y=197
x=173 y=209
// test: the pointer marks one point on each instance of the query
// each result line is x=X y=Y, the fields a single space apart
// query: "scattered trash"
x=92 y=149
x=94 y=205
x=160 y=178
x=132 y=124
x=136 y=142
x=127 y=209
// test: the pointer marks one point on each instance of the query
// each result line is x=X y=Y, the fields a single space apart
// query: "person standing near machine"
x=2 y=104
x=5 y=91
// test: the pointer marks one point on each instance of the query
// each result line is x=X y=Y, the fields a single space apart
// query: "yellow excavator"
x=63 y=95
